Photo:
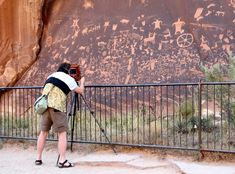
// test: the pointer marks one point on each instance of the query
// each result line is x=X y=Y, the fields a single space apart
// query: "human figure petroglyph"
x=106 y=25
x=178 y=26
x=132 y=49
x=76 y=28
x=114 y=27
x=75 y=34
x=75 y=24
x=157 y=24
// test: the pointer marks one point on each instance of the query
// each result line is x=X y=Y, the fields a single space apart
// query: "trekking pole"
x=102 y=130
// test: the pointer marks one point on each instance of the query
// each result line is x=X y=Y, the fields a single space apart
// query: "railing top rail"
x=131 y=85
x=163 y=84
x=20 y=87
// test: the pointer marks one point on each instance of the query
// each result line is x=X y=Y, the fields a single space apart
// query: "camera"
x=75 y=72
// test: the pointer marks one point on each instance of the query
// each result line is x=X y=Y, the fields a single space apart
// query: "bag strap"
x=50 y=90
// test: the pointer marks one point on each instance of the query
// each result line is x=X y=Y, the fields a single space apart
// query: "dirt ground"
x=19 y=156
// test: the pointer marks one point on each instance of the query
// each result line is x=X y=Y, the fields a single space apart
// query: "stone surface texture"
x=20 y=32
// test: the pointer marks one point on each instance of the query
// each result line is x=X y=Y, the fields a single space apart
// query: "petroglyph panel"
x=137 y=41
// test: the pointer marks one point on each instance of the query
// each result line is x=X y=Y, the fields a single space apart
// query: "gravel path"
x=17 y=158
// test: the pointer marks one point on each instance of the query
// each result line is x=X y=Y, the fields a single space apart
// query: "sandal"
x=65 y=164
x=38 y=162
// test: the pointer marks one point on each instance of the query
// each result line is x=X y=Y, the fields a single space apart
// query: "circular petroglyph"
x=185 y=40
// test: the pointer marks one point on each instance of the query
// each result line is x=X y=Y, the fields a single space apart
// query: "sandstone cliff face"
x=20 y=31
x=117 y=42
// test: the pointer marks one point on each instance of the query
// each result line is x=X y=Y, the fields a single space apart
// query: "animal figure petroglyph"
x=220 y=13
x=151 y=39
x=82 y=48
x=204 y=44
x=211 y=8
x=124 y=21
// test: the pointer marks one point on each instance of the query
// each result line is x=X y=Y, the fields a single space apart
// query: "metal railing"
x=190 y=116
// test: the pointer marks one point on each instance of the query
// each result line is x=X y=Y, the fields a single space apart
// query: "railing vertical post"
x=199 y=116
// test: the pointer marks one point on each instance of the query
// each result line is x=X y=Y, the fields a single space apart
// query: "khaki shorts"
x=55 y=119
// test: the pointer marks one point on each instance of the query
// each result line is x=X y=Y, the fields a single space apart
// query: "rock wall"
x=20 y=32
x=131 y=41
